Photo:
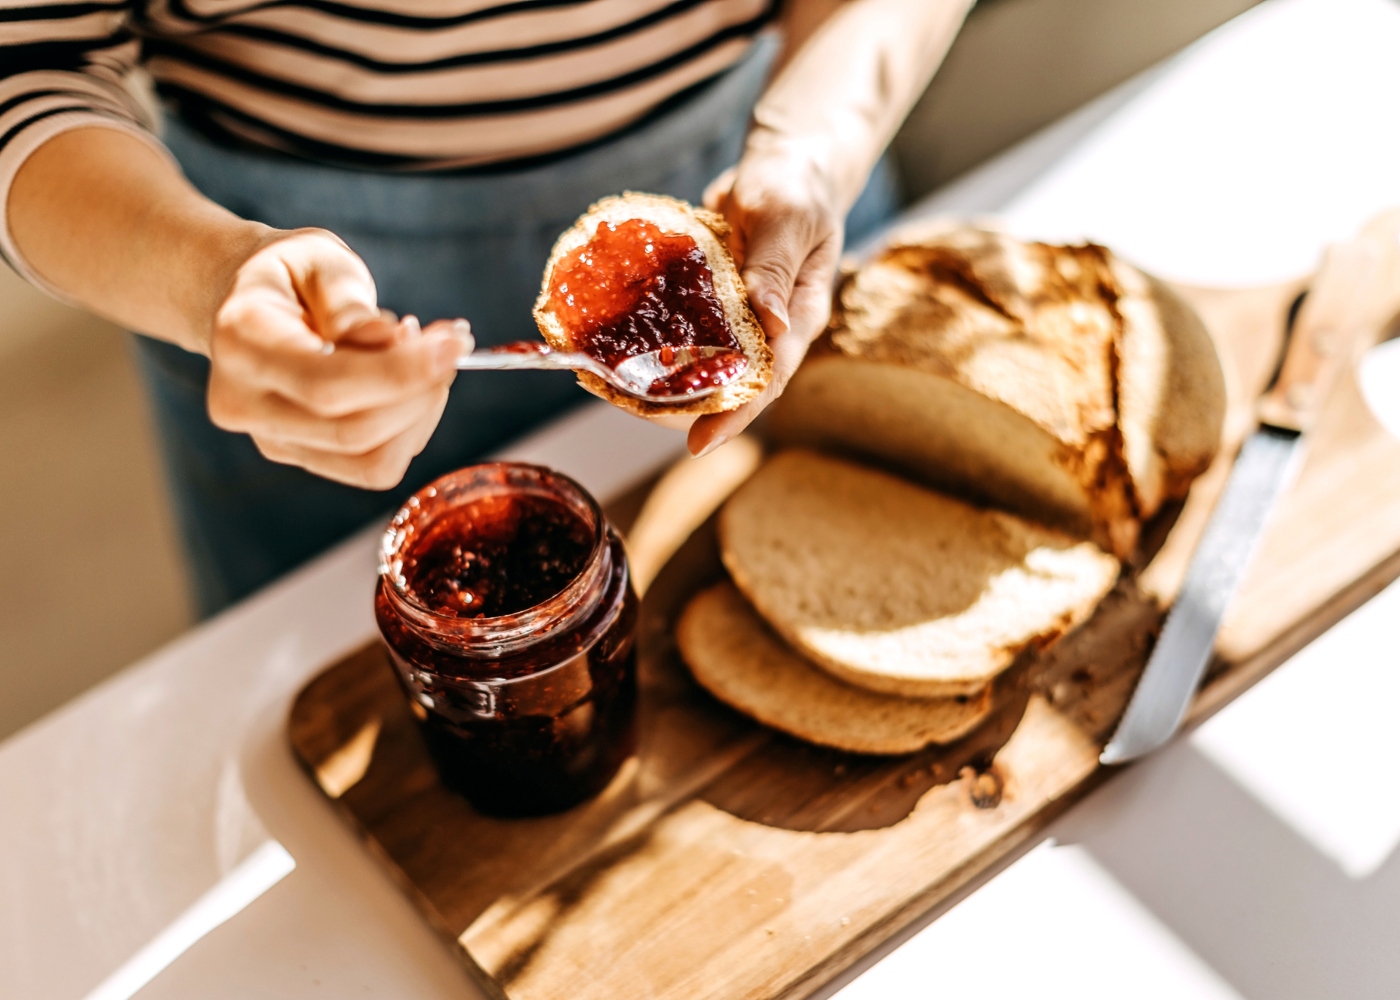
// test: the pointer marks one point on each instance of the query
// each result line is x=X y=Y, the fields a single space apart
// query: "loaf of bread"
x=898 y=589
x=738 y=660
x=709 y=232
x=1058 y=382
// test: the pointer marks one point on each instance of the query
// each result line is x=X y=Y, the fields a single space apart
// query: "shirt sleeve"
x=62 y=66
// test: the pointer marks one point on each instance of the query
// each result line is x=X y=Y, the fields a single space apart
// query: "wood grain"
x=727 y=861
x=1353 y=281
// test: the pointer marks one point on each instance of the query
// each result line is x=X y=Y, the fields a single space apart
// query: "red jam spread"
x=496 y=556
x=506 y=603
x=634 y=289
x=716 y=370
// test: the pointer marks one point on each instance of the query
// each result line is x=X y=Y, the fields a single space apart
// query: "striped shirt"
x=382 y=84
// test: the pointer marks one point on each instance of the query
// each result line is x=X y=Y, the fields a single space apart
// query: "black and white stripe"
x=427 y=88
x=402 y=85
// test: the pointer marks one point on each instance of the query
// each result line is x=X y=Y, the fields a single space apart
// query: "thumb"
x=334 y=285
x=717 y=191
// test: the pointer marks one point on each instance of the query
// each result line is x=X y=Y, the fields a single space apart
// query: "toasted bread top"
x=1113 y=369
x=989 y=310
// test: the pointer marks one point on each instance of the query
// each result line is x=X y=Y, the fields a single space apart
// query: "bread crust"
x=1171 y=396
x=1113 y=378
x=709 y=231
x=742 y=663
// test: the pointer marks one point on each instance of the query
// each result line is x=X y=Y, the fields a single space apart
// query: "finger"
x=777 y=247
x=332 y=283
x=416 y=438
x=717 y=191
x=268 y=356
x=276 y=288
x=380 y=468
x=811 y=309
x=711 y=431
x=273 y=418
x=355 y=379
x=671 y=421
x=458 y=328
x=381 y=331
x=369 y=335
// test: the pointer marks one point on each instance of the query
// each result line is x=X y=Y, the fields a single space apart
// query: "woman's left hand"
x=787 y=230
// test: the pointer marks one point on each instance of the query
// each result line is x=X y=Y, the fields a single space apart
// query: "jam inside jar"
x=506 y=602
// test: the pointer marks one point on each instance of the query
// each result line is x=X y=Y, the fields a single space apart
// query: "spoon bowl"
x=667 y=376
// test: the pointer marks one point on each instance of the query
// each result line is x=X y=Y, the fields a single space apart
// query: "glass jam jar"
x=506 y=602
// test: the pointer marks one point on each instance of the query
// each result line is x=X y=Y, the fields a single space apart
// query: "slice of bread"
x=737 y=659
x=1055 y=381
x=709 y=231
x=898 y=589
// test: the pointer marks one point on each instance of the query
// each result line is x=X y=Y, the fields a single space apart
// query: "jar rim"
x=500 y=633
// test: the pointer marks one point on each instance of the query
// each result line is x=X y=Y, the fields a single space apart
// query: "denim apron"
x=470 y=244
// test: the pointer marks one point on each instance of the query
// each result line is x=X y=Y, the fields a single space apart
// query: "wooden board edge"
x=384 y=862
x=939 y=897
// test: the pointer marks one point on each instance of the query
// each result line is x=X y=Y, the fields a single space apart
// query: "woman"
x=348 y=164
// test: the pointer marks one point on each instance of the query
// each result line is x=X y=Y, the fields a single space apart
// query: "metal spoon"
x=633 y=376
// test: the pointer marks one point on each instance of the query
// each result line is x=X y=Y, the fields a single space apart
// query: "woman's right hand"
x=302 y=358
x=303 y=361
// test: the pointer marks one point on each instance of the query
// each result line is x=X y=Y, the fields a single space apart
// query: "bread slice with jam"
x=642 y=272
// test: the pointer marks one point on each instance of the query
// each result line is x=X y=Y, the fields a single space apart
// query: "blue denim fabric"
x=467 y=244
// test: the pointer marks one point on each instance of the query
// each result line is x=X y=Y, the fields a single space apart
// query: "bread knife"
x=1341 y=303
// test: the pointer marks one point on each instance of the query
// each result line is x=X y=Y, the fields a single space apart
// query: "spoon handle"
x=643 y=371
x=508 y=356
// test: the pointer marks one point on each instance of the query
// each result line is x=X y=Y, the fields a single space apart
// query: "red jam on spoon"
x=635 y=289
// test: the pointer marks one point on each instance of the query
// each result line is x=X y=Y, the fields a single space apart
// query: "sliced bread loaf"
x=738 y=660
x=624 y=295
x=895 y=588
x=1055 y=381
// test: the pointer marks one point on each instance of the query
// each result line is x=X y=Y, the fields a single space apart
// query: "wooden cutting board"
x=727 y=861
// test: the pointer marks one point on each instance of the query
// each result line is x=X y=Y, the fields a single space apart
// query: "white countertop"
x=1233 y=864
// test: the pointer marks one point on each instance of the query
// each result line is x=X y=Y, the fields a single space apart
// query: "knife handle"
x=1346 y=299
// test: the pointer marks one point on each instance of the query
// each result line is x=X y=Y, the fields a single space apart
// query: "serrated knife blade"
x=1265 y=466
x=1354 y=292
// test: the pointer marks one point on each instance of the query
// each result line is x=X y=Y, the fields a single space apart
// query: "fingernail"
x=715 y=443
x=777 y=309
x=412 y=326
x=350 y=317
x=463 y=331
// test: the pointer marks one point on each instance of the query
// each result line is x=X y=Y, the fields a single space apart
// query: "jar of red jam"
x=505 y=600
